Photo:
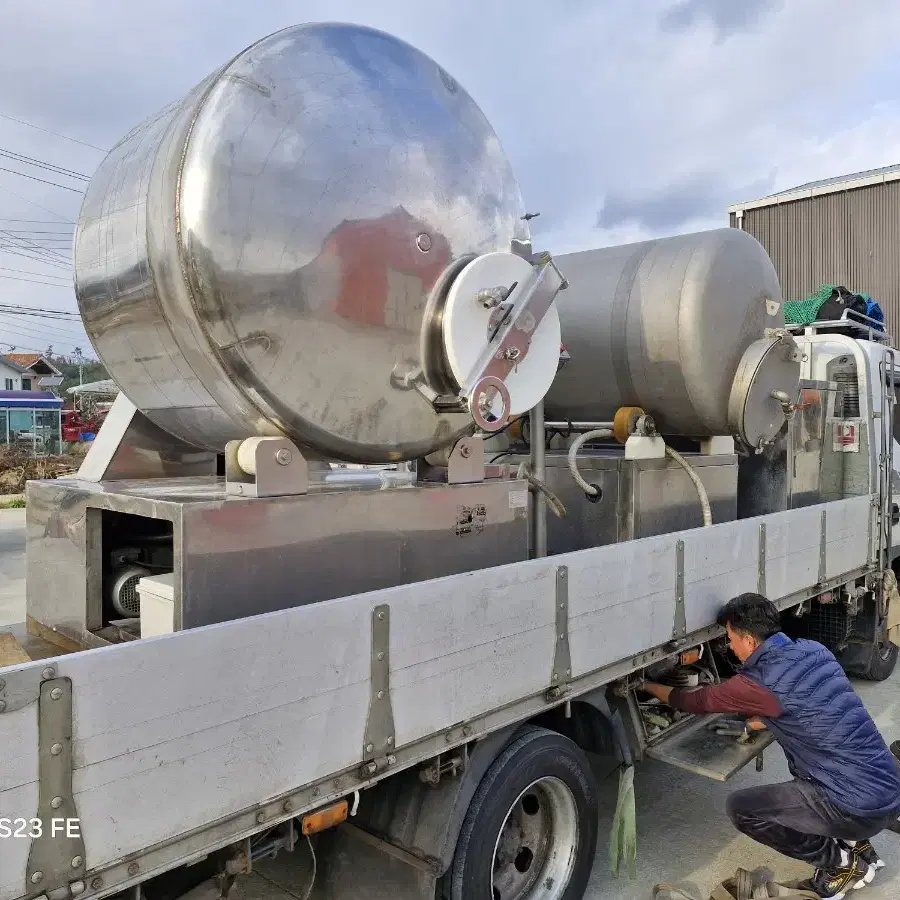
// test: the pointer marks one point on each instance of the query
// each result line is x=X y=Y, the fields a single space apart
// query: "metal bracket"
x=679 y=630
x=23 y=687
x=379 y=737
x=562 y=656
x=761 y=561
x=56 y=858
x=265 y=467
x=466 y=462
x=823 y=545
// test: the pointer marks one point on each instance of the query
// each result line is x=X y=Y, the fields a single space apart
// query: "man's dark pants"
x=799 y=821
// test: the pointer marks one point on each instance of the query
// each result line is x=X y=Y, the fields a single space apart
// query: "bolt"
x=381 y=615
x=283 y=457
x=424 y=242
x=56 y=749
x=369 y=748
x=490 y=298
x=391 y=760
x=512 y=353
x=76 y=862
x=37 y=877
x=390 y=741
x=287 y=806
x=56 y=802
x=568 y=671
x=133 y=869
x=371 y=768
x=49 y=672
x=467 y=730
x=380 y=656
x=315 y=792
x=562 y=637
x=96 y=883
x=449 y=737
x=260 y=818
x=465 y=451
x=380 y=695
x=56 y=693
x=76 y=888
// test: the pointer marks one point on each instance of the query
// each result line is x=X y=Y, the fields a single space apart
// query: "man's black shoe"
x=835 y=884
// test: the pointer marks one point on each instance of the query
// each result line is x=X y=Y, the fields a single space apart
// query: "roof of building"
x=29 y=400
x=825 y=186
x=28 y=360
x=107 y=387
x=12 y=364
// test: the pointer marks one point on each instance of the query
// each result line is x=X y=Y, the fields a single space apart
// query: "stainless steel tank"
x=663 y=325
x=256 y=259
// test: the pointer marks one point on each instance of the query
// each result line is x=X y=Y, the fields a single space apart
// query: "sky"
x=623 y=119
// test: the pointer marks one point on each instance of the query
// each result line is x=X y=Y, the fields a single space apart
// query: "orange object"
x=323 y=819
x=689 y=657
x=624 y=421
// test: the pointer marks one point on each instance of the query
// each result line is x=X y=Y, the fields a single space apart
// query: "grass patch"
x=18 y=503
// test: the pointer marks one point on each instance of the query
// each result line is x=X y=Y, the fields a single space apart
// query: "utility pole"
x=79 y=356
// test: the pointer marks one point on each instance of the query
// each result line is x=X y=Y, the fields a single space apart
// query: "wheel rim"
x=886 y=650
x=535 y=851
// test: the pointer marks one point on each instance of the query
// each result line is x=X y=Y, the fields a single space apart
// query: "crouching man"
x=846 y=783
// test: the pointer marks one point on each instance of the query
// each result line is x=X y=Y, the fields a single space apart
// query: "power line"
x=41 y=180
x=65 y=137
x=37 y=221
x=33 y=281
x=29 y=272
x=43 y=334
x=15 y=250
x=32 y=203
x=42 y=164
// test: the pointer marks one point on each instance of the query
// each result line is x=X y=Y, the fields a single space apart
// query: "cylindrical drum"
x=663 y=325
x=256 y=259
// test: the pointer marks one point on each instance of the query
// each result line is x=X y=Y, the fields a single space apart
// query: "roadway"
x=683 y=833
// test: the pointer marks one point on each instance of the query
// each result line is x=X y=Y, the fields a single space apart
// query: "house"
x=11 y=374
x=33 y=367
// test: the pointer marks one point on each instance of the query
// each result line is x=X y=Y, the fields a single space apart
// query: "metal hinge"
x=379 y=737
x=679 y=628
x=56 y=859
x=562 y=656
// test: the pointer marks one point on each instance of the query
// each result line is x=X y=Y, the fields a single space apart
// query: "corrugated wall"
x=847 y=237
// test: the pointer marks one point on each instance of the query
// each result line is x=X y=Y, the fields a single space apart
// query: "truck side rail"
x=192 y=741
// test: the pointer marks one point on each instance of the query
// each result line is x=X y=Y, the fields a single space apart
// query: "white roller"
x=466 y=328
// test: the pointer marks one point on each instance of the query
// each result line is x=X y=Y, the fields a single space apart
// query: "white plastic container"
x=157 y=596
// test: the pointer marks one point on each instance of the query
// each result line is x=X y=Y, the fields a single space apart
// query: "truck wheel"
x=530 y=832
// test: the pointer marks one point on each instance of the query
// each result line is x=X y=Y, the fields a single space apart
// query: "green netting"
x=804 y=312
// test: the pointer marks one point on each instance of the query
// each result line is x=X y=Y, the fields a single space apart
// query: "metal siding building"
x=838 y=231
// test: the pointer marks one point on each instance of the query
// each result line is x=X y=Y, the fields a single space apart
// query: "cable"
x=33 y=281
x=31 y=202
x=42 y=164
x=42 y=180
x=596 y=435
x=65 y=137
x=555 y=504
x=39 y=274
x=698 y=484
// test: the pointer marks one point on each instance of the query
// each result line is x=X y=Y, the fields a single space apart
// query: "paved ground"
x=683 y=834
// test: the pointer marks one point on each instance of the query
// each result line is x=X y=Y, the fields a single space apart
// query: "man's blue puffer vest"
x=825 y=731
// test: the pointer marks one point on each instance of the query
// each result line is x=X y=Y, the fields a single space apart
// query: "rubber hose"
x=577 y=444
x=698 y=484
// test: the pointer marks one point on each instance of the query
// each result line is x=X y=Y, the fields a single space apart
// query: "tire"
x=881 y=663
x=530 y=832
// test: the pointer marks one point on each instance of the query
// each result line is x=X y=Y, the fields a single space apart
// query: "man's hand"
x=660 y=691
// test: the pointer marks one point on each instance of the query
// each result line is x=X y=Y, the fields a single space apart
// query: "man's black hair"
x=751 y=614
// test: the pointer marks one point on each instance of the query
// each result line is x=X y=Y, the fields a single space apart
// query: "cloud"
x=726 y=16
x=621 y=121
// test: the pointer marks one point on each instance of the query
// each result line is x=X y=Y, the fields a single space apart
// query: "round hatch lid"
x=469 y=322
x=767 y=375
